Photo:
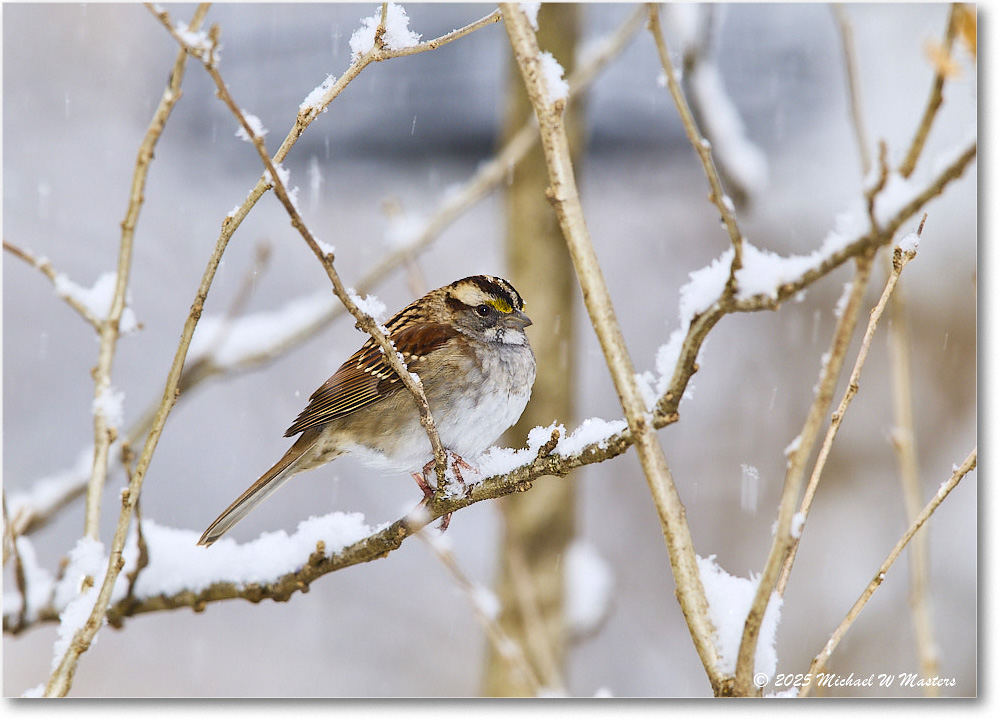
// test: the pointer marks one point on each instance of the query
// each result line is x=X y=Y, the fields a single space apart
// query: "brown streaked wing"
x=366 y=376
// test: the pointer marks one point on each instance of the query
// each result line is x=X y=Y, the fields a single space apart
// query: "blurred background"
x=80 y=83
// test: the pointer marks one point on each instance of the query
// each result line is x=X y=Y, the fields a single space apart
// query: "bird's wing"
x=366 y=376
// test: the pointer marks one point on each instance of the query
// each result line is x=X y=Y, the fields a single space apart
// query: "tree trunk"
x=539 y=524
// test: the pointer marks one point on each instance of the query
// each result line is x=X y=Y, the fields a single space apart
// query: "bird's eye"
x=483 y=310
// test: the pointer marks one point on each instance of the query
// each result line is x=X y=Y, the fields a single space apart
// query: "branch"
x=853 y=87
x=717 y=196
x=105 y=432
x=62 y=675
x=903 y=440
x=566 y=201
x=506 y=647
x=387 y=54
x=539 y=460
x=10 y=550
x=29 y=514
x=819 y=661
x=933 y=102
x=899 y=260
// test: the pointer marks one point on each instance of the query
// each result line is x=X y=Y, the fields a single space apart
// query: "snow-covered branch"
x=549 y=451
x=150 y=567
x=250 y=341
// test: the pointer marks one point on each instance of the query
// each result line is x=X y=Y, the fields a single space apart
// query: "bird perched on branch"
x=467 y=344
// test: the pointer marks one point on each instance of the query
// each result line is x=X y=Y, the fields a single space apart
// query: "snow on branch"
x=224 y=344
x=396 y=31
x=729 y=600
x=549 y=451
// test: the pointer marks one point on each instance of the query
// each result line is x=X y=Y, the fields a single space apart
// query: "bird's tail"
x=262 y=488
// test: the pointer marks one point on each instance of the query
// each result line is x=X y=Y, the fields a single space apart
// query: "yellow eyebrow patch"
x=500 y=304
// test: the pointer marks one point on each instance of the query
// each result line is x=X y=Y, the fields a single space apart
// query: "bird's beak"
x=516 y=319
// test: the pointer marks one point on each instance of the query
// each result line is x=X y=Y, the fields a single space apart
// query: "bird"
x=466 y=342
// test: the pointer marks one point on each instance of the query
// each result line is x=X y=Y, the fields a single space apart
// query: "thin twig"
x=20 y=580
x=872 y=192
x=695 y=63
x=899 y=261
x=506 y=647
x=904 y=443
x=933 y=102
x=795 y=471
x=434 y=44
x=61 y=679
x=853 y=86
x=262 y=255
x=566 y=201
x=717 y=196
x=105 y=432
x=819 y=661
x=535 y=634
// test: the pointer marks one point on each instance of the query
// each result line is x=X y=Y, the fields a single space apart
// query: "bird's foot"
x=457 y=464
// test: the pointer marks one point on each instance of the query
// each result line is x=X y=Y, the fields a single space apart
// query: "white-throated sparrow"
x=465 y=341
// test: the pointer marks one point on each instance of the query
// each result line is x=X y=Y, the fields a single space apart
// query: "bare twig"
x=506 y=647
x=799 y=454
x=535 y=636
x=933 y=102
x=262 y=255
x=904 y=443
x=62 y=676
x=819 y=661
x=434 y=44
x=853 y=87
x=105 y=432
x=899 y=260
x=566 y=201
x=872 y=192
x=717 y=195
x=696 y=63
